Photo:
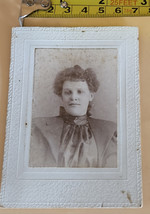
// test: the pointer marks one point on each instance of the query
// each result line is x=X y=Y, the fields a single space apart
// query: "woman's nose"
x=74 y=96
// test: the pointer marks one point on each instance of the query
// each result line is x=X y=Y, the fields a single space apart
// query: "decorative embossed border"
x=35 y=187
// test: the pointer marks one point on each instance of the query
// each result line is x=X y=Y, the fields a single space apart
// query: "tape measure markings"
x=105 y=2
x=97 y=9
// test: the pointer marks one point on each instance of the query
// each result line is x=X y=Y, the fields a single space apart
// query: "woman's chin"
x=76 y=114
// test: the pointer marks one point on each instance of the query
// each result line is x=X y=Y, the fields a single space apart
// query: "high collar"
x=74 y=120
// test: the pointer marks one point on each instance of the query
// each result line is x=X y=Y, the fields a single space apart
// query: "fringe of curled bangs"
x=76 y=73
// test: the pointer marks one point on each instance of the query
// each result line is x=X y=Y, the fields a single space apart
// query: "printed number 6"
x=118 y=10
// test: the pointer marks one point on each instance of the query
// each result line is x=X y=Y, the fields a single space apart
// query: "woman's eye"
x=79 y=92
x=67 y=92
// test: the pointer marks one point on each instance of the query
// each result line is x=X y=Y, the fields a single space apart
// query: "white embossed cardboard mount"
x=73 y=133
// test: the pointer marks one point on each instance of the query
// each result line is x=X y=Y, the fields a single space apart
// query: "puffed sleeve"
x=110 y=154
x=40 y=153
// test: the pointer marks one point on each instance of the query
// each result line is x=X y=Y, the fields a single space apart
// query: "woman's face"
x=76 y=97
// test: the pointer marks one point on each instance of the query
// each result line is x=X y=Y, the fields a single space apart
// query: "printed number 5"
x=101 y=10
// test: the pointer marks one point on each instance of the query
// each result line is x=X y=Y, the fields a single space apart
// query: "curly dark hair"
x=76 y=73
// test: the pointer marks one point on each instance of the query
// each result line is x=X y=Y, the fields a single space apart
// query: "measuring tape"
x=95 y=8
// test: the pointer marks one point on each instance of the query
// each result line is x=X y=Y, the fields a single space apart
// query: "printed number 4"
x=84 y=10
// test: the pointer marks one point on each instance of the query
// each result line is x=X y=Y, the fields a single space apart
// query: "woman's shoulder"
x=46 y=121
x=102 y=123
x=103 y=128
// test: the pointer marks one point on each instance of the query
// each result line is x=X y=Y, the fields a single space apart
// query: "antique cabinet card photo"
x=73 y=121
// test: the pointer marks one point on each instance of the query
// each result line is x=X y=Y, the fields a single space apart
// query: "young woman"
x=74 y=138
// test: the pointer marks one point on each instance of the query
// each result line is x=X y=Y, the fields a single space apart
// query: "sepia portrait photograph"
x=73 y=127
x=74 y=108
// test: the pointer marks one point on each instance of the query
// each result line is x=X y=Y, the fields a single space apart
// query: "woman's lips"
x=74 y=104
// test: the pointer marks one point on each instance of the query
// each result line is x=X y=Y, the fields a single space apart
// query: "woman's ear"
x=92 y=96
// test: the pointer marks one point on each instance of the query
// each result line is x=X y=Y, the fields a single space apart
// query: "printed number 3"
x=144 y=2
x=68 y=10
